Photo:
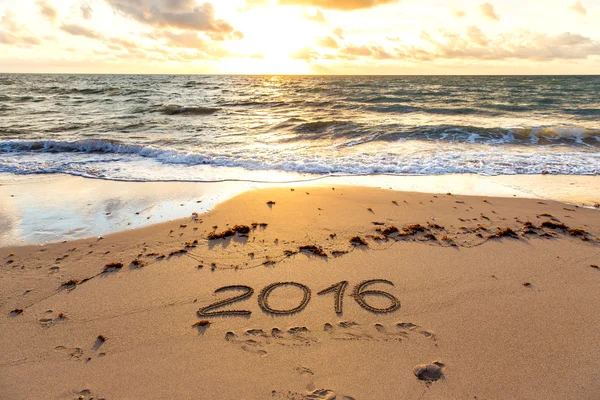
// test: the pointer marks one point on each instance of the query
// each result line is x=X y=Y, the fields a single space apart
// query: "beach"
x=299 y=200
x=477 y=297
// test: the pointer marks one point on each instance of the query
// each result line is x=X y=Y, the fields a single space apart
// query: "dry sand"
x=485 y=312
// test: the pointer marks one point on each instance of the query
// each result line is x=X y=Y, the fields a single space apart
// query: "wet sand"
x=476 y=297
x=48 y=208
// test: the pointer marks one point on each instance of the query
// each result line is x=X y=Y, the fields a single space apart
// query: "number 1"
x=339 y=289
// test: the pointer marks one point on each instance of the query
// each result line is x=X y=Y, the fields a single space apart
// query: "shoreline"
x=473 y=277
x=73 y=208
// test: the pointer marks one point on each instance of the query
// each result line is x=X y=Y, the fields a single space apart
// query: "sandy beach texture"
x=475 y=298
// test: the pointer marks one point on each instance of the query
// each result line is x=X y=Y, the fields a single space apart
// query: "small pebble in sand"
x=527 y=284
x=594 y=266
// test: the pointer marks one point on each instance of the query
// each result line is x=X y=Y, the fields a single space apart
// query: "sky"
x=356 y=37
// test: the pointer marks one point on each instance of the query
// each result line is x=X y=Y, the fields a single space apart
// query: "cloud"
x=168 y=42
x=473 y=44
x=346 y=5
x=47 y=10
x=578 y=8
x=487 y=10
x=328 y=42
x=180 y=14
x=9 y=22
x=360 y=51
x=188 y=40
x=86 y=11
x=339 y=32
x=523 y=45
x=14 y=33
x=10 y=39
x=458 y=13
x=316 y=17
x=79 y=30
x=254 y=3
x=476 y=36
x=306 y=54
x=373 y=51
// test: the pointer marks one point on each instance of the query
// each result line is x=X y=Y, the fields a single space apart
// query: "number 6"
x=359 y=294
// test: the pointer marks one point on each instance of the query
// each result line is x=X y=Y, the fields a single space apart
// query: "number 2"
x=248 y=292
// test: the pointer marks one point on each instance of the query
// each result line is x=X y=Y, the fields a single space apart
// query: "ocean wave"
x=174 y=109
x=356 y=124
x=320 y=126
x=54 y=146
x=116 y=161
x=542 y=136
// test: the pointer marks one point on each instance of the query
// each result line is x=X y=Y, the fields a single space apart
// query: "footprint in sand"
x=51 y=318
x=349 y=330
x=86 y=394
x=73 y=353
x=304 y=371
x=410 y=327
x=322 y=394
x=257 y=340
x=78 y=354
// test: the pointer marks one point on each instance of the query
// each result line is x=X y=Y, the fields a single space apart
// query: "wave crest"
x=174 y=109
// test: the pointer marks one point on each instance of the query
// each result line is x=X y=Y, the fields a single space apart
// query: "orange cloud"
x=328 y=42
x=79 y=30
x=316 y=17
x=14 y=33
x=474 y=45
x=376 y=52
x=337 y=4
x=487 y=10
x=47 y=10
x=458 y=13
x=181 y=14
x=306 y=54
x=578 y=8
x=476 y=36
x=86 y=11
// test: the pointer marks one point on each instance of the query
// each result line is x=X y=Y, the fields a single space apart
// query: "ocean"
x=217 y=128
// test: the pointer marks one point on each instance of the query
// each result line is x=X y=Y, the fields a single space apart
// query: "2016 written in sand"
x=360 y=295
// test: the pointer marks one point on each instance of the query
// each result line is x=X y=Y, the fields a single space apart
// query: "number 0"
x=263 y=298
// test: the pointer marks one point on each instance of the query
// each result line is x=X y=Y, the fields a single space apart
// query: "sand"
x=476 y=298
